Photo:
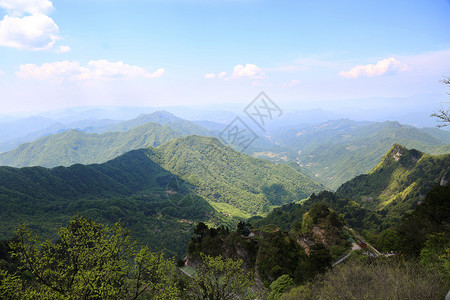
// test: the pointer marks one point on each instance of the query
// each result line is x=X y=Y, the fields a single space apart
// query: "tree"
x=219 y=278
x=89 y=261
x=443 y=114
x=436 y=253
x=279 y=286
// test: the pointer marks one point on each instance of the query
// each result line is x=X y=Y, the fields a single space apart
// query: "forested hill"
x=74 y=146
x=230 y=179
x=398 y=182
x=159 y=192
x=131 y=188
x=379 y=199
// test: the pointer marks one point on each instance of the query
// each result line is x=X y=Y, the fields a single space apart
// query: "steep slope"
x=75 y=146
x=379 y=199
x=399 y=181
x=269 y=251
x=230 y=179
x=337 y=151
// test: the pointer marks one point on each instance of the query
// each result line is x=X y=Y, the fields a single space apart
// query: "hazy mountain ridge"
x=336 y=151
x=75 y=146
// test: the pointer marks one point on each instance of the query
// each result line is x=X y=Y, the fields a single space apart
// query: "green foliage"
x=219 y=278
x=279 y=286
x=89 y=261
x=218 y=241
x=286 y=217
x=432 y=216
x=436 y=253
x=319 y=260
x=279 y=254
x=388 y=240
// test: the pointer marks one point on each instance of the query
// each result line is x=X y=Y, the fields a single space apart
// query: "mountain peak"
x=161 y=117
x=398 y=154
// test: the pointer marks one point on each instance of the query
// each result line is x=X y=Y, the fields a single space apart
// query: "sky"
x=61 y=53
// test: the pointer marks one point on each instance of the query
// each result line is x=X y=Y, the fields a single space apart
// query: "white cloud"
x=36 y=32
x=385 y=66
x=27 y=25
x=239 y=71
x=250 y=71
x=106 y=69
x=20 y=7
x=55 y=70
x=72 y=71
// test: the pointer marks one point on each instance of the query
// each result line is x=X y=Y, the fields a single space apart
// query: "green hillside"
x=74 y=146
x=398 y=182
x=337 y=151
x=131 y=188
x=232 y=181
x=158 y=192
x=379 y=199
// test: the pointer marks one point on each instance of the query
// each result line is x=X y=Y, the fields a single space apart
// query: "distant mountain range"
x=337 y=151
x=329 y=153
x=16 y=132
x=75 y=146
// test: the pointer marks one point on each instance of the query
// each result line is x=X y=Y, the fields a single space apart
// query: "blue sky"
x=56 y=54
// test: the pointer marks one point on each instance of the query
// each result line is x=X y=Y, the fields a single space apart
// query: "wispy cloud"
x=382 y=67
x=28 y=26
x=73 y=71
